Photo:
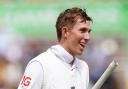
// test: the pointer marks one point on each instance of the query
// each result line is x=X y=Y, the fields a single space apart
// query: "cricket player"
x=58 y=67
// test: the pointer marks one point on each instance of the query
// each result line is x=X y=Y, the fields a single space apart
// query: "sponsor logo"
x=26 y=81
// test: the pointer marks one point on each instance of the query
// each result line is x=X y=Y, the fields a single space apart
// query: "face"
x=77 y=38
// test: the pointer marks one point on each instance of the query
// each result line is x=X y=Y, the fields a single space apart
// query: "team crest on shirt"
x=26 y=81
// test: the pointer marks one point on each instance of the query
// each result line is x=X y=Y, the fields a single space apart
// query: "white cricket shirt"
x=51 y=70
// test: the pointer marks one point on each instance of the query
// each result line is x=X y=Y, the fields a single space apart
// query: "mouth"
x=82 y=44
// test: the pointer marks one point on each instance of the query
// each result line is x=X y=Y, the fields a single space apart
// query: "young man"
x=58 y=67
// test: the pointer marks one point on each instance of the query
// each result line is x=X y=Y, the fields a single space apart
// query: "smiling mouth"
x=82 y=45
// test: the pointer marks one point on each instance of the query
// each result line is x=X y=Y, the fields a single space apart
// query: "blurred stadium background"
x=27 y=29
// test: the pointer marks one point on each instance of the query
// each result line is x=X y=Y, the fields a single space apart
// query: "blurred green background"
x=39 y=19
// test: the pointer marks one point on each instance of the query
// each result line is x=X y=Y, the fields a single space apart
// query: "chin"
x=80 y=53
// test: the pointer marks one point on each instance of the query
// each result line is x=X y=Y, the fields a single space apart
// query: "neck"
x=68 y=52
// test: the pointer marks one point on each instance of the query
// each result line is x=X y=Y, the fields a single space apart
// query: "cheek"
x=75 y=41
x=79 y=37
x=72 y=41
x=75 y=38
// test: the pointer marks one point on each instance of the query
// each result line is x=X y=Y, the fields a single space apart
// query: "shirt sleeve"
x=33 y=76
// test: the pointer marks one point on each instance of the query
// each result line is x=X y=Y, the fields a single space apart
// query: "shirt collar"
x=61 y=53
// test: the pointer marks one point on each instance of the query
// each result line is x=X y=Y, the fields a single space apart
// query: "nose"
x=87 y=36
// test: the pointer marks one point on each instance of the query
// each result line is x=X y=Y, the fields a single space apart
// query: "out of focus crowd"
x=16 y=50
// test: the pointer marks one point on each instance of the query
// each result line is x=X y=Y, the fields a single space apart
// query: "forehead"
x=82 y=24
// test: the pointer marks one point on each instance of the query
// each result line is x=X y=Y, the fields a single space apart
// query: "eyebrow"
x=86 y=29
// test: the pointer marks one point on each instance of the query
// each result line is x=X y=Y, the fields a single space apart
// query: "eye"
x=83 y=30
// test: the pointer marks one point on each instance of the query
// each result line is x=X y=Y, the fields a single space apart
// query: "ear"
x=65 y=32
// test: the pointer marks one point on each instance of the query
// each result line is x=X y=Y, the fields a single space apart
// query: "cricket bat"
x=105 y=75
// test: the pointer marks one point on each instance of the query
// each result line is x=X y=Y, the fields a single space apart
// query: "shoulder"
x=33 y=66
x=41 y=56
